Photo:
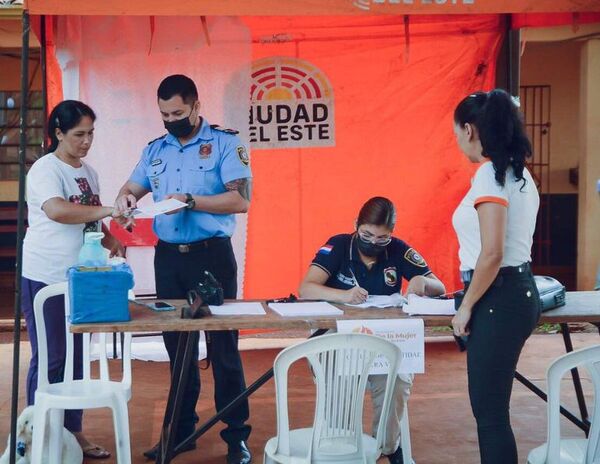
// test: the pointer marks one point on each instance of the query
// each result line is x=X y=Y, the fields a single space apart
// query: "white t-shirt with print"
x=522 y=202
x=50 y=248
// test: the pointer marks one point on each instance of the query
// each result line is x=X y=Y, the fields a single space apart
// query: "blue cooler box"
x=100 y=296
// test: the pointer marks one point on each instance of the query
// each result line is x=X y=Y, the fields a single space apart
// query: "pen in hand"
x=358 y=295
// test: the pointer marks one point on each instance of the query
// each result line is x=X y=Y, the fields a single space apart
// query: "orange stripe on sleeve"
x=490 y=199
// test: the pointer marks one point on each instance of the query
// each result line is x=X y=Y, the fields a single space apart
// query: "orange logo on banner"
x=363 y=330
x=291 y=105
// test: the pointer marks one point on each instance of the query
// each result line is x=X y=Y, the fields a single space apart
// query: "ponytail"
x=501 y=130
x=65 y=116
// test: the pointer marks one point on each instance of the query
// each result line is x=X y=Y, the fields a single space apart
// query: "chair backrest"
x=340 y=364
x=588 y=358
x=62 y=289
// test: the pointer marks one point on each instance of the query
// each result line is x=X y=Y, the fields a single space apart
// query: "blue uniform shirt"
x=203 y=166
x=340 y=259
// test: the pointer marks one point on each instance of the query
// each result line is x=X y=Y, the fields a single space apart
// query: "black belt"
x=467 y=276
x=193 y=246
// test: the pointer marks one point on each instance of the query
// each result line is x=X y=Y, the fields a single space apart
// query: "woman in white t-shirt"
x=63 y=202
x=495 y=223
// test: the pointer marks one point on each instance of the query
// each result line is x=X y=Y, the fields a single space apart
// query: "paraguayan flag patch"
x=325 y=249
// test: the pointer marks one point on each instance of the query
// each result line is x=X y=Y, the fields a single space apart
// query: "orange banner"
x=302 y=7
x=393 y=101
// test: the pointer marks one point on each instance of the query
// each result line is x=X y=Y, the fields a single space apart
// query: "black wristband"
x=189 y=199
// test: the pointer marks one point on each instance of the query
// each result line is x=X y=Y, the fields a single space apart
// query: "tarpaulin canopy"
x=389 y=86
x=302 y=7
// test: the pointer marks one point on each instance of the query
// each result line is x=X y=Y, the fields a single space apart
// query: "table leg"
x=575 y=374
x=179 y=377
x=583 y=423
x=114 y=345
x=565 y=412
x=242 y=396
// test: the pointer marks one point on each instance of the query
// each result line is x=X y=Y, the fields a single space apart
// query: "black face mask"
x=180 y=127
x=370 y=249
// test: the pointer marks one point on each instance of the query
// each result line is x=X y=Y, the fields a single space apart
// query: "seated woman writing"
x=349 y=267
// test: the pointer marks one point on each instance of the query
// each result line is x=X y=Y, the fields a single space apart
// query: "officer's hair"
x=378 y=211
x=178 y=84
x=65 y=116
x=501 y=130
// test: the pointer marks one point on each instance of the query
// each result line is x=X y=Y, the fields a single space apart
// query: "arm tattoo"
x=242 y=186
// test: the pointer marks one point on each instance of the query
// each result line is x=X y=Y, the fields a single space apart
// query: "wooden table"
x=580 y=307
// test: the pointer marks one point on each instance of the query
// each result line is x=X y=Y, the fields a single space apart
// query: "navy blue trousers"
x=176 y=273
x=54 y=317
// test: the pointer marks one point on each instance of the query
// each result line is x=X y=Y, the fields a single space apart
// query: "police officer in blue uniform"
x=206 y=167
x=349 y=267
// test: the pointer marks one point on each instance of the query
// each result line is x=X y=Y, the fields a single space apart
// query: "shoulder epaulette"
x=157 y=138
x=222 y=129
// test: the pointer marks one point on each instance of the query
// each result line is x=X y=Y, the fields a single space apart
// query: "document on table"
x=238 y=309
x=428 y=306
x=309 y=308
x=162 y=207
x=382 y=301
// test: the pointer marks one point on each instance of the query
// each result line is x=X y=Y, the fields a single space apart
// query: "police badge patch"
x=243 y=155
x=390 y=276
x=414 y=258
x=205 y=150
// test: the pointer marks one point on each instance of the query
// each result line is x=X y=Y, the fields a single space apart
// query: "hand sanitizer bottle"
x=92 y=254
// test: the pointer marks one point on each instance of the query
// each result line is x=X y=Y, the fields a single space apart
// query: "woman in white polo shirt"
x=495 y=223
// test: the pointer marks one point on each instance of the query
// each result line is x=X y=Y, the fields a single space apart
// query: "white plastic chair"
x=405 y=437
x=340 y=364
x=570 y=451
x=86 y=393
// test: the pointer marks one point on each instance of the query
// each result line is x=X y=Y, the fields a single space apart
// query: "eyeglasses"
x=368 y=238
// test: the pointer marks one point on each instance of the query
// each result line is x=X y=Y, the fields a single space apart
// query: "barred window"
x=10 y=107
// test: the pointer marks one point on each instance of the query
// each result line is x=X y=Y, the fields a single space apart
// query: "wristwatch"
x=189 y=199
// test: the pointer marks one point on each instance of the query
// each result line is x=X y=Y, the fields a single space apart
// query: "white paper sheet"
x=382 y=301
x=428 y=306
x=313 y=308
x=162 y=207
x=238 y=309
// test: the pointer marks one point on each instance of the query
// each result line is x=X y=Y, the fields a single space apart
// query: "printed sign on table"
x=407 y=334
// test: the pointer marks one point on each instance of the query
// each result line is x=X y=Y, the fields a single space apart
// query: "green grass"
x=549 y=328
x=440 y=329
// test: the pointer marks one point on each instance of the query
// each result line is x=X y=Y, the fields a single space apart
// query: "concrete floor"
x=442 y=427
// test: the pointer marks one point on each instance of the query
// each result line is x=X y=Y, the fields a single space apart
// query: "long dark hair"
x=378 y=211
x=501 y=130
x=65 y=116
